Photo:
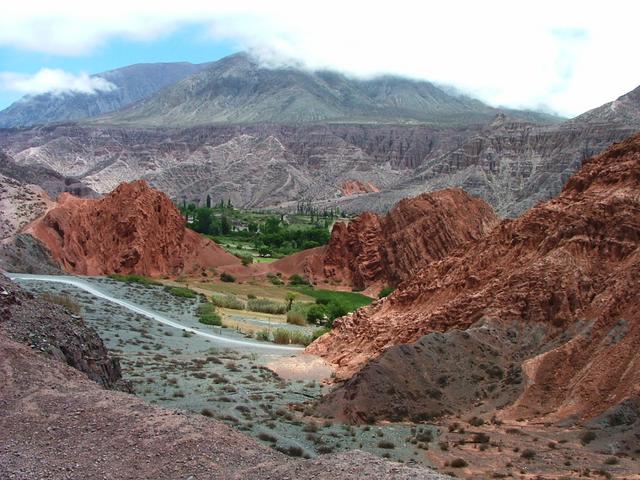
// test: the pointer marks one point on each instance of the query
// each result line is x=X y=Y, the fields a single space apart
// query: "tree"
x=225 y=225
x=252 y=227
x=290 y=298
x=202 y=222
x=208 y=201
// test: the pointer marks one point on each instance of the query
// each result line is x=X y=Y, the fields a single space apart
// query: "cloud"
x=568 y=56
x=54 y=81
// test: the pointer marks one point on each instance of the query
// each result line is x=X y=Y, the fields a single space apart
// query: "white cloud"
x=568 y=56
x=55 y=81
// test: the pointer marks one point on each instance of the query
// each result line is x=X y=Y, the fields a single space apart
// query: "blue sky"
x=566 y=57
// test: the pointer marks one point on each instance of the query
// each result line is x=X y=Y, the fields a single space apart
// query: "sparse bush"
x=133 y=278
x=612 y=461
x=246 y=259
x=227 y=277
x=386 y=444
x=263 y=335
x=300 y=338
x=275 y=279
x=267 y=437
x=296 y=279
x=476 y=422
x=282 y=336
x=265 y=305
x=459 y=463
x=588 y=437
x=296 y=317
x=64 y=301
x=385 y=291
x=528 y=453
x=182 y=292
x=227 y=301
x=206 y=412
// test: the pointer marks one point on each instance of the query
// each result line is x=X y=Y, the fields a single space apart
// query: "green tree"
x=290 y=297
x=225 y=225
x=202 y=223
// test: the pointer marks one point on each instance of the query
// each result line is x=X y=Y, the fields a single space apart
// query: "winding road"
x=83 y=285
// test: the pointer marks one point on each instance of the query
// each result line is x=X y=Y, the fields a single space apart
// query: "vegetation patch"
x=265 y=305
x=134 y=278
x=63 y=300
x=182 y=292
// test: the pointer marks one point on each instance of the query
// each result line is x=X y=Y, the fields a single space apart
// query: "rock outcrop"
x=56 y=333
x=134 y=229
x=355 y=187
x=568 y=268
x=378 y=250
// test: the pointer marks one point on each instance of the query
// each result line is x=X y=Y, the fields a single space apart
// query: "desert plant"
x=281 y=336
x=64 y=301
x=588 y=437
x=246 y=259
x=296 y=279
x=265 y=305
x=300 y=338
x=133 y=278
x=296 y=317
x=227 y=301
x=263 y=335
x=227 y=277
x=386 y=444
x=385 y=291
x=459 y=463
x=275 y=279
x=528 y=453
x=182 y=292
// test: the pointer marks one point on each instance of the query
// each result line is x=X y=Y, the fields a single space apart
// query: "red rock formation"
x=134 y=229
x=354 y=187
x=570 y=265
x=374 y=250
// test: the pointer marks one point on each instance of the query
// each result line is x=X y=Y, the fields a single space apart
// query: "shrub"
x=319 y=332
x=588 y=437
x=227 y=277
x=246 y=259
x=476 y=421
x=63 y=300
x=612 y=461
x=387 y=445
x=210 y=319
x=317 y=314
x=300 y=338
x=528 y=453
x=206 y=412
x=133 y=278
x=481 y=438
x=263 y=335
x=296 y=279
x=227 y=301
x=267 y=437
x=275 y=279
x=282 y=336
x=296 y=317
x=459 y=463
x=266 y=306
x=182 y=292
x=385 y=291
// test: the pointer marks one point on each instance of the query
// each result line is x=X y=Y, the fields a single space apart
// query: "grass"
x=350 y=300
x=265 y=305
x=228 y=301
x=63 y=300
x=207 y=314
x=296 y=317
x=182 y=292
x=283 y=336
x=134 y=278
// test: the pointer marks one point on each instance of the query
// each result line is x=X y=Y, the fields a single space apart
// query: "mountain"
x=237 y=89
x=625 y=109
x=373 y=251
x=134 y=229
x=539 y=319
x=132 y=83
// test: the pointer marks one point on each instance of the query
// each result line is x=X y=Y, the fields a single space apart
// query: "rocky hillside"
x=549 y=303
x=56 y=423
x=238 y=89
x=54 y=332
x=509 y=163
x=373 y=250
x=127 y=85
x=134 y=229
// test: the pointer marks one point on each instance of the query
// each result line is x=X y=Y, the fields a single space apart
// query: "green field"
x=350 y=300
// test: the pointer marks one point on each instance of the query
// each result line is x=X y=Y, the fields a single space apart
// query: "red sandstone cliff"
x=134 y=229
x=570 y=267
x=375 y=250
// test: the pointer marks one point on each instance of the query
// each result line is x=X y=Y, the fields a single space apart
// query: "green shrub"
x=263 y=335
x=133 y=278
x=246 y=259
x=282 y=336
x=266 y=306
x=63 y=300
x=274 y=279
x=227 y=301
x=317 y=314
x=296 y=317
x=296 y=279
x=385 y=291
x=227 y=277
x=182 y=292
x=386 y=444
x=210 y=319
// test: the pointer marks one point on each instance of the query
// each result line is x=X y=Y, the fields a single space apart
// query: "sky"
x=560 y=56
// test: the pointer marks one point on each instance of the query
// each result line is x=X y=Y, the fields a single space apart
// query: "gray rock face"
x=237 y=89
x=133 y=83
